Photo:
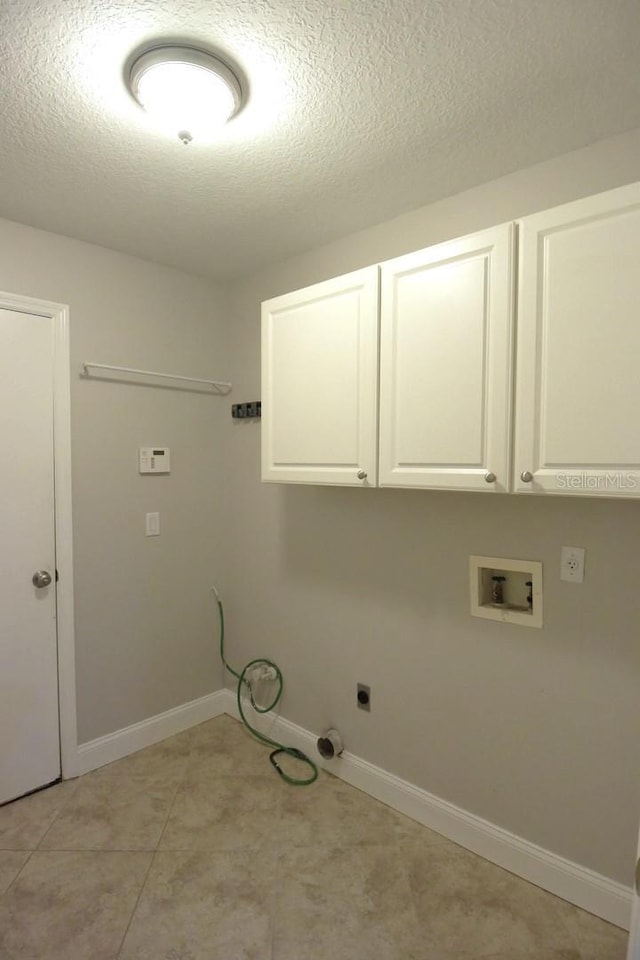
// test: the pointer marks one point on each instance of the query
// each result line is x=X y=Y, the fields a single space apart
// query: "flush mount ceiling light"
x=187 y=91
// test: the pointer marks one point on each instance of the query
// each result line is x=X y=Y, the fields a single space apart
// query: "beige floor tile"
x=71 y=906
x=166 y=760
x=114 y=814
x=544 y=953
x=226 y=749
x=600 y=940
x=219 y=728
x=330 y=812
x=11 y=863
x=469 y=907
x=348 y=903
x=354 y=879
x=224 y=813
x=24 y=822
x=204 y=906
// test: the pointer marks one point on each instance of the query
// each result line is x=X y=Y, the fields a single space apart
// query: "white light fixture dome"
x=187 y=91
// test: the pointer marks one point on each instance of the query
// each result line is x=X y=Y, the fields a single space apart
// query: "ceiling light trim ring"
x=185 y=54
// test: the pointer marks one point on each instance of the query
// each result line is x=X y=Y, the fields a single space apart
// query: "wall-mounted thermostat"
x=154 y=460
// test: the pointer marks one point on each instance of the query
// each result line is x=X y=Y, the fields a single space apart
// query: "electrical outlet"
x=364 y=697
x=572 y=564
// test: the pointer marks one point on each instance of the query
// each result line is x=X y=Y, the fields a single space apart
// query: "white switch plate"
x=152 y=524
x=572 y=564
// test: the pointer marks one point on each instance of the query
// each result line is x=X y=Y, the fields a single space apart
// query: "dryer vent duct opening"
x=330 y=745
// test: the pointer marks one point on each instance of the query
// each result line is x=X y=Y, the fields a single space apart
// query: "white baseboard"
x=121 y=743
x=579 y=885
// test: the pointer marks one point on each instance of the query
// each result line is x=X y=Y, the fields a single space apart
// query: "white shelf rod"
x=220 y=386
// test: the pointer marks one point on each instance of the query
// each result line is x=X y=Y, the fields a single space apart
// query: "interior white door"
x=29 y=711
x=577 y=383
x=445 y=364
x=633 y=949
x=319 y=382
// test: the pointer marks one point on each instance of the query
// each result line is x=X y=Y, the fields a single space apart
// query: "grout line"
x=59 y=811
x=31 y=853
x=46 y=833
x=52 y=850
x=179 y=783
x=277 y=872
x=135 y=906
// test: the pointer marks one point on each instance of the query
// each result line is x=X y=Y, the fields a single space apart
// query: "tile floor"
x=195 y=850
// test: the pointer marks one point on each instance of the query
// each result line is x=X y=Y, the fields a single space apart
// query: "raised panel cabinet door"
x=319 y=382
x=578 y=355
x=445 y=364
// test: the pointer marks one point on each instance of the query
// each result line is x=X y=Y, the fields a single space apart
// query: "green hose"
x=243 y=682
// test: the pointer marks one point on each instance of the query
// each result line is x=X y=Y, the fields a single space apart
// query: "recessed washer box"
x=518 y=580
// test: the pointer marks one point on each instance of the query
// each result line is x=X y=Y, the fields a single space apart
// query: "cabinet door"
x=578 y=379
x=319 y=382
x=445 y=365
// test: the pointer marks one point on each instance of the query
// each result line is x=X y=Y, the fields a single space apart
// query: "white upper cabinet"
x=445 y=364
x=319 y=382
x=578 y=355
x=445 y=344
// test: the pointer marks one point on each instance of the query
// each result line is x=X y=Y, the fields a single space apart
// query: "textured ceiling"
x=358 y=111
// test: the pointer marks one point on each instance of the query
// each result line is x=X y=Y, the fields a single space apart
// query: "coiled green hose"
x=279 y=681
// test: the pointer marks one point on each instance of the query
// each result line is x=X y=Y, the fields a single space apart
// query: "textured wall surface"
x=144 y=621
x=358 y=110
x=534 y=730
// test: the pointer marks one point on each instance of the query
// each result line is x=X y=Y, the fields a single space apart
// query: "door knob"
x=41 y=578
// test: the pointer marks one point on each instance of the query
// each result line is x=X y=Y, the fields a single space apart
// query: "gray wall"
x=535 y=730
x=144 y=623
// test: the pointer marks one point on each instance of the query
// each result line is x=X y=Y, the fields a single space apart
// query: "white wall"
x=536 y=731
x=144 y=623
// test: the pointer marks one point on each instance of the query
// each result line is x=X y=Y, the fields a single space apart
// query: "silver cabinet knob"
x=526 y=477
x=41 y=578
x=490 y=477
x=361 y=474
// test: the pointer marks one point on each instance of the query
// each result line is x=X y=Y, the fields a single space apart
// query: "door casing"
x=59 y=315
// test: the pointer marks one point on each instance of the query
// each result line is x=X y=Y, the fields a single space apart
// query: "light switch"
x=153 y=524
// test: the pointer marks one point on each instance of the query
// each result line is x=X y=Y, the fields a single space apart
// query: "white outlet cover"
x=572 y=564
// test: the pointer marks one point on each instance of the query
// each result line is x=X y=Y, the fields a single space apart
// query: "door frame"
x=58 y=313
x=633 y=949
